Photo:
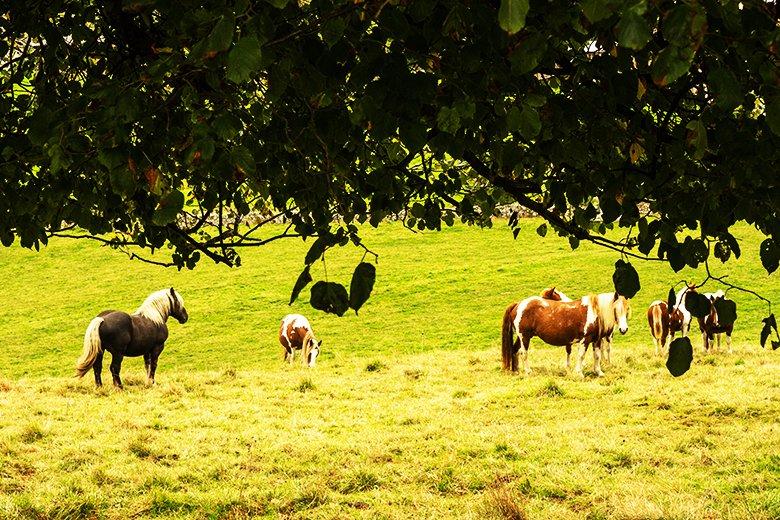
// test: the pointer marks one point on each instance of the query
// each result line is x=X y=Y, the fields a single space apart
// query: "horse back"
x=555 y=322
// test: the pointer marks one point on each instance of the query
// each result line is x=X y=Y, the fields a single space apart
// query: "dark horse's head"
x=177 y=307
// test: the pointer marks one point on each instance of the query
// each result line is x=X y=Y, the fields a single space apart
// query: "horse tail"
x=507 y=339
x=92 y=347
x=658 y=326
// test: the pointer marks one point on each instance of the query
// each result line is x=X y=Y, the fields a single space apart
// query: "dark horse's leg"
x=153 y=355
x=116 y=366
x=147 y=364
x=97 y=368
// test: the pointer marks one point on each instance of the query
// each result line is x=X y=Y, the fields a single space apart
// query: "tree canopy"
x=146 y=123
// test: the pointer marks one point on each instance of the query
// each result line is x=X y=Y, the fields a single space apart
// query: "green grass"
x=407 y=414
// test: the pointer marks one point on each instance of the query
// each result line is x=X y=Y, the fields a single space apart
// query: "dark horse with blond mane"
x=561 y=323
x=142 y=333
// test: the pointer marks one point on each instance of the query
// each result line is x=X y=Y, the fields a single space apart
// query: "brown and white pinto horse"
x=560 y=323
x=605 y=341
x=663 y=324
x=710 y=327
x=296 y=333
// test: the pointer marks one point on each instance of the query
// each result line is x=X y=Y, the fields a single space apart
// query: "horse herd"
x=551 y=316
x=592 y=320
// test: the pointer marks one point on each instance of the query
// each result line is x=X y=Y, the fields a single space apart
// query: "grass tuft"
x=503 y=503
x=32 y=433
x=550 y=389
x=375 y=366
x=359 y=481
x=305 y=385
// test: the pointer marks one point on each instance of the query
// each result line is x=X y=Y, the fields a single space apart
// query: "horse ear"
x=320 y=342
x=172 y=291
x=616 y=296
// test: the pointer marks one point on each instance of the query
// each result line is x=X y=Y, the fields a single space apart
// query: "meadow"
x=407 y=413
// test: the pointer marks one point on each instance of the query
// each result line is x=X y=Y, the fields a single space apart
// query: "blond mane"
x=157 y=306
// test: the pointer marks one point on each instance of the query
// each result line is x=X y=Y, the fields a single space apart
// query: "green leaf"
x=333 y=30
x=279 y=4
x=303 y=280
x=122 y=182
x=626 y=279
x=610 y=208
x=511 y=15
x=770 y=255
x=316 y=250
x=722 y=251
x=513 y=119
x=361 y=285
x=448 y=120
x=697 y=304
x=221 y=35
x=595 y=10
x=726 y=311
x=633 y=31
x=542 y=229
x=241 y=157
x=167 y=209
x=530 y=125
x=773 y=114
x=676 y=26
x=330 y=297
x=765 y=332
x=725 y=88
x=244 y=59
x=671 y=64
x=697 y=138
x=680 y=356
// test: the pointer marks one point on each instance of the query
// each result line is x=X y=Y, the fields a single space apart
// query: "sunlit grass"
x=406 y=415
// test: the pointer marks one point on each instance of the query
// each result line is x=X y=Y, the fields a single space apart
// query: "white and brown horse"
x=296 y=333
x=605 y=341
x=561 y=323
x=711 y=328
x=663 y=324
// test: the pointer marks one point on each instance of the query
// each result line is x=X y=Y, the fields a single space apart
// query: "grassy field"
x=407 y=414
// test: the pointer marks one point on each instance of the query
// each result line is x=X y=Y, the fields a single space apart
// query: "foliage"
x=160 y=122
x=680 y=356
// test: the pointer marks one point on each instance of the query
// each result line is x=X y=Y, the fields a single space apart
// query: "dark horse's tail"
x=92 y=347
x=507 y=340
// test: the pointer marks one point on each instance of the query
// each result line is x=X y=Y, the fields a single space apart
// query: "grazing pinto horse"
x=685 y=326
x=663 y=324
x=711 y=328
x=561 y=324
x=296 y=334
x=142 y=333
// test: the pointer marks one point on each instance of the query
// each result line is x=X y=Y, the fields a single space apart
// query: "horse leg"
x=717 y=337
x=706 y=342
x=580 y=358
x=116 y=366
x=516 y=346
x=525 y=343
x=597 y=358
x=568 y=357
x=728 y=342
x=97 y=368
x=147 y=364
x=154 y=355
